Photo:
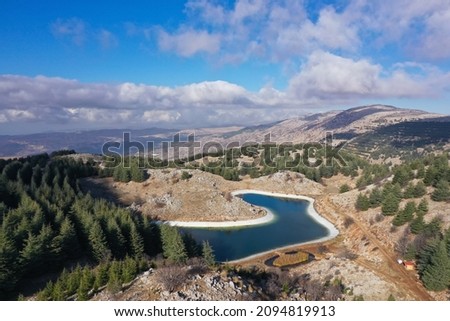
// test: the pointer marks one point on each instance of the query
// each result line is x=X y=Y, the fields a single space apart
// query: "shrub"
x=197 y=266
x=344 y=189
x=228 y=196
x=347 y=254
x=348 y=221
x=314 y=290
x=322 y=249
x=379 y=218
x=185 y=175
x=171 y=277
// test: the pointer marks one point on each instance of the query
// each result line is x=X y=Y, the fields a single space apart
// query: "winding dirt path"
x=389 y=269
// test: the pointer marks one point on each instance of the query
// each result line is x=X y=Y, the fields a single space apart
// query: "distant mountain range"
x=365 y=128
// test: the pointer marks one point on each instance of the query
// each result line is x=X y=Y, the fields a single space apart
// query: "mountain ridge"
x=345 y=124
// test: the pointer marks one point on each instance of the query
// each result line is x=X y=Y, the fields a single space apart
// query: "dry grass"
x=291 y=259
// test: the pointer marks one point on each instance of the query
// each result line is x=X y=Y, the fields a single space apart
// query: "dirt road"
x=389 y=269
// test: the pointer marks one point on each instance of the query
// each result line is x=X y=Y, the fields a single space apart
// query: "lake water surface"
x=292 y=225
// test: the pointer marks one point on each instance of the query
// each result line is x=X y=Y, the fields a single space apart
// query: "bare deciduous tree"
x=348 y=221
x=314 y=290
x=333 y=293
x=402 y=244
x=348 y=254
x=172 y=277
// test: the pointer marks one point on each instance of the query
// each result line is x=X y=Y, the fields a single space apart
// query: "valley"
x=371 y=243
x=386 y=206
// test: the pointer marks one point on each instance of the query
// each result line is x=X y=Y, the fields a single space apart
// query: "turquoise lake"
x=292 y=225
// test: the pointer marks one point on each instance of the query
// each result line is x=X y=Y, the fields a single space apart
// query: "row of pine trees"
x=424 y=240
x=48 y=225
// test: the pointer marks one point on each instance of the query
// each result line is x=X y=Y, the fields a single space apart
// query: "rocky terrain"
x=203 y=197
x=210 y=286
x=363 y=256
x=345 y=124
x=224 y=285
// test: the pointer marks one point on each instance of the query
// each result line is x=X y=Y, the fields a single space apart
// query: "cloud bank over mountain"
x=329 y=54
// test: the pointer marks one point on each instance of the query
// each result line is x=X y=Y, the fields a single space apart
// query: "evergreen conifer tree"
x=420 y=190
x=423 y=207
x=436 y=275
x=208 y=254
x=173 y=245
x=362 y=203
x=442 y=192
x=99 y=247
x=390 y=204
x=137 y=243
x=137 y=174
x=8 y=265
x=418 y=224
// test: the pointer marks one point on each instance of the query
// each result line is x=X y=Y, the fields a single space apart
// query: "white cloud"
x=324 y=80
x=434 y=41
x=58 y=100
x=208 y=11
x=73 y=29
x=326 y=76
x=157 y=116
x=217 y=92
x=107 y=39
x=418 y=27
x=285 y=29
x=333 y=30
x=188 y=42
x=245 y=9
x=264 y=29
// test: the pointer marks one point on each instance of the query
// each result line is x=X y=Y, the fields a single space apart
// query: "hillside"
x=403 y=139
x=347 y=125
x=56 y=228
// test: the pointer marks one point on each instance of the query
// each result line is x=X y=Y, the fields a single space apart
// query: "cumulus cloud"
x=284 y=29
x=73 y=29
x=245 y=9
x=260 y=28
x=437 y=29
x=188 y=42
x=58 y=100
x=332 y=30
x=157 y=116
x=327 y=76
x=418 y=27
x=324 y=79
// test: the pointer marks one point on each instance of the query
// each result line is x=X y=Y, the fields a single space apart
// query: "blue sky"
x=108 y=64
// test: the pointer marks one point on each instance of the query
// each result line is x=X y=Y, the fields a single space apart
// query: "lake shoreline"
x=310 y=211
